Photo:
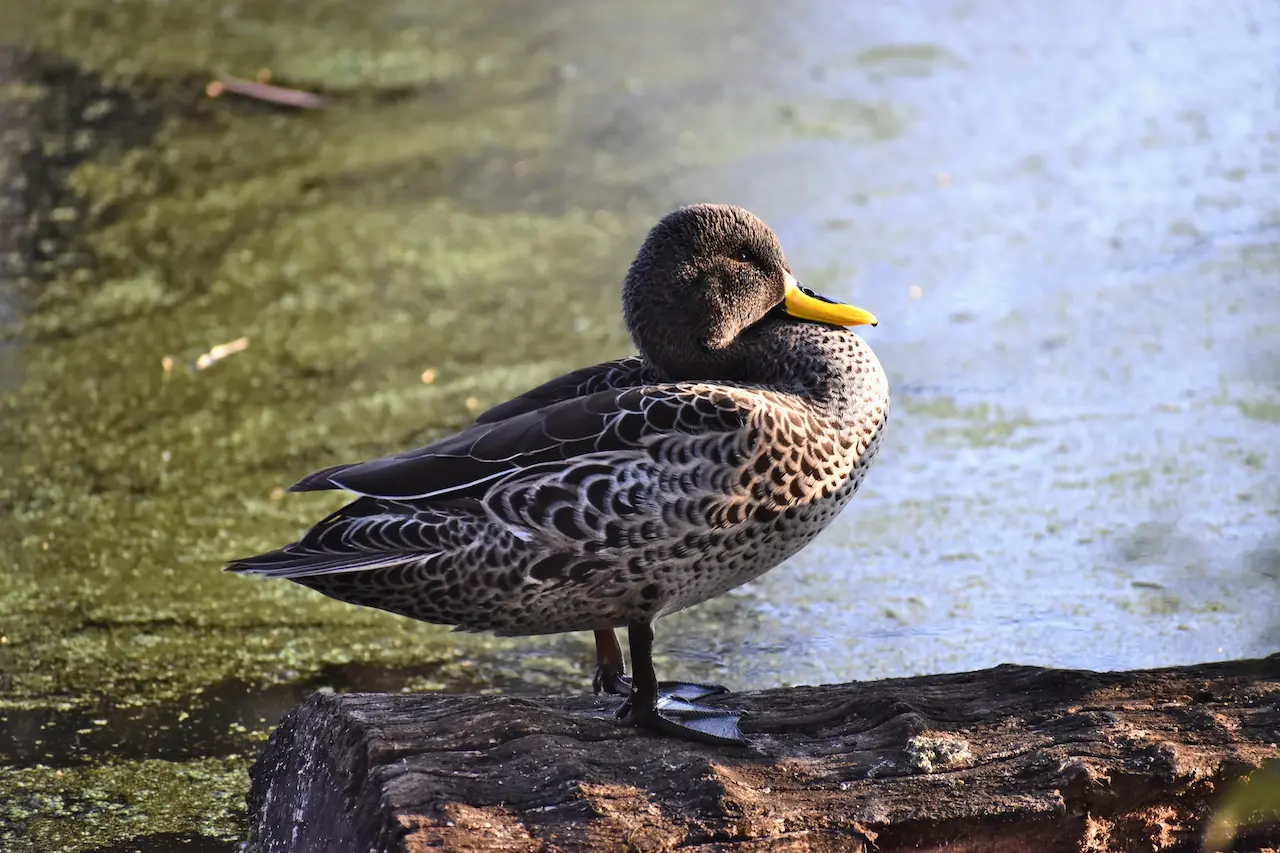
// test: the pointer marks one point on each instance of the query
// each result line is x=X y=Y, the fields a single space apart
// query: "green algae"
x=1261 y=410
x=340 y=44
x=975 y=425
x=86 y=808
x=844 y=119
x=912 y=60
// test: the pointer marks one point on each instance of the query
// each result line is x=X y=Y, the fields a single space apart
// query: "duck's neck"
x=832 y=369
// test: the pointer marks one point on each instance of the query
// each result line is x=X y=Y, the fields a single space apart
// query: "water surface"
x=1067 y=218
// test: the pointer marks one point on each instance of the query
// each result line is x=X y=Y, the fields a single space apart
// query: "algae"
x=88 y=808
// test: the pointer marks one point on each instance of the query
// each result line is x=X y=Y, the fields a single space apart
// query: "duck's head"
x=703 y=281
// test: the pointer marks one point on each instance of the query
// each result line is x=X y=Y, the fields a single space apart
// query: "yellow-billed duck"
x=622 y=492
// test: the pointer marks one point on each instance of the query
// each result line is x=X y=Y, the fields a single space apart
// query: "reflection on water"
x=1066 y=217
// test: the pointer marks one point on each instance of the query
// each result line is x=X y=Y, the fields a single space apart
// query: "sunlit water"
x=1066 y=216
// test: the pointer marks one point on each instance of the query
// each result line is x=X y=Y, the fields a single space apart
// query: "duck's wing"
x=468 y=464
x=613 y=455
x=617 y=374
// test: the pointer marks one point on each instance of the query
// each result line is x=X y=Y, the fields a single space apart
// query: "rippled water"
x=1067 y=218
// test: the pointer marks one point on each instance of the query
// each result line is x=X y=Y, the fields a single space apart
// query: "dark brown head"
x=706 y=274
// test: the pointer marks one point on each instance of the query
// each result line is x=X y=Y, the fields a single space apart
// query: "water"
x=1067 y=219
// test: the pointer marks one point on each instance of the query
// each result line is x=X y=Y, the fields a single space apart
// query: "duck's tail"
x=364 y=535
x=292 y=561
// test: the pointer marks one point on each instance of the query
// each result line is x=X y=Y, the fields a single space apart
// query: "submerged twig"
x=260 y=90
x=220 y=352
x=205 y=359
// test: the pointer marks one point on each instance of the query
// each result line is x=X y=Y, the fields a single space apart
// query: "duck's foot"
x=670 y=707
x=678 y=714
x=606 y=680
x=689 y=691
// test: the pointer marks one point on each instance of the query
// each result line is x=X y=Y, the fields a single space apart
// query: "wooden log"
x=1007 y=759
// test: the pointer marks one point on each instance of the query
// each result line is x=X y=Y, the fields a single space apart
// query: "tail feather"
x=366 y=534
x=286 y=563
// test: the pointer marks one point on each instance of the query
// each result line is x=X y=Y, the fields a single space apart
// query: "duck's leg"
x=611 y=673
x=670 y=712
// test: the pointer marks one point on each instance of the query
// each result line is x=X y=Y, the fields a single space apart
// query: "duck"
x=625 y=491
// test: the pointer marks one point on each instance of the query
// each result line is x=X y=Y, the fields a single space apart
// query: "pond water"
x=1066 y=216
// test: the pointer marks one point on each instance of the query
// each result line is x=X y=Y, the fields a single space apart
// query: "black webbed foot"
x=679 y=717
x=689 y=691
x=669 y=707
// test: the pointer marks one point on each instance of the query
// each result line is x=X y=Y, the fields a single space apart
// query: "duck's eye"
x=746 y=256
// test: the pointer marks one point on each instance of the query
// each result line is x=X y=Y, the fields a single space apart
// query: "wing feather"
x=611 y=469
x=468 y=464
x=617 y=374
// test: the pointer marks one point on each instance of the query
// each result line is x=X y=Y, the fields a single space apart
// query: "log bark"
x=1007 y=759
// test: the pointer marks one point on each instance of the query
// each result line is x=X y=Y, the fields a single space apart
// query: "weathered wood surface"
x=1006 y=759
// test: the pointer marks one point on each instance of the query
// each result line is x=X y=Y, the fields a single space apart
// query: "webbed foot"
x=679 y=715
x=607 y=680
x=669 y=707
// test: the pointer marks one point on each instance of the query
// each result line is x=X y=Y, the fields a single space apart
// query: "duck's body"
x=614 y=494
x=610 y=506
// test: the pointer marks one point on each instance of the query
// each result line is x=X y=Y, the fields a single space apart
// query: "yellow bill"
x=807 y=305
